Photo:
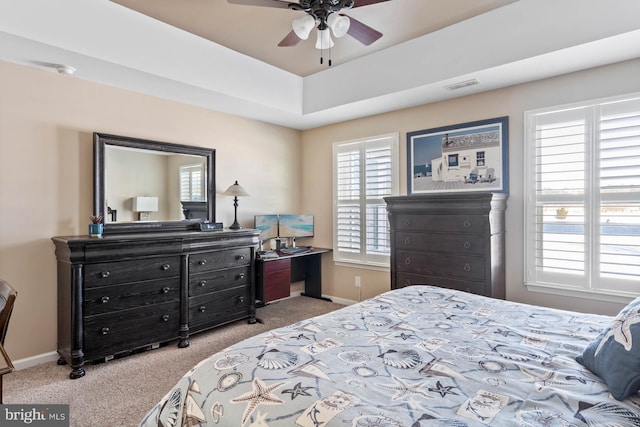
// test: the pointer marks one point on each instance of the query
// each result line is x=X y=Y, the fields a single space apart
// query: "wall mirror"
x=144 y=186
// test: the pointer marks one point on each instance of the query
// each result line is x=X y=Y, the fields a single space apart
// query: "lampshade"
x=324 y=39
x=145 y=204
x=303 y=26
x=235 y=190
x=339 y=24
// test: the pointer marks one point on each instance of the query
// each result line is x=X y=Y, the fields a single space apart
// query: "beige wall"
x=46 y=122
x=513 y=101
x=46 y=170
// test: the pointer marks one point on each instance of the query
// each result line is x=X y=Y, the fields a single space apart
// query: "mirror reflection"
x=148 y=185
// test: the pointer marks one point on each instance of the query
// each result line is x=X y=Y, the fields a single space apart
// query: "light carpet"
x=120 y=392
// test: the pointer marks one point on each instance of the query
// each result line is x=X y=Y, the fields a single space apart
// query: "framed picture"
x=464 y=157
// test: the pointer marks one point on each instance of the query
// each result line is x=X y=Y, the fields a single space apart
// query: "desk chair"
x=7 y=299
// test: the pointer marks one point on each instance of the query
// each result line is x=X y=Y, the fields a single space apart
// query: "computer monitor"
x=295 y=226
x=268 y=226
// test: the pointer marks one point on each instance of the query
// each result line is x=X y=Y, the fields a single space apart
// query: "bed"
x=417 y=356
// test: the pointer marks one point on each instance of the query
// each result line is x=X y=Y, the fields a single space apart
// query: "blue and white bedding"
x=416 y=356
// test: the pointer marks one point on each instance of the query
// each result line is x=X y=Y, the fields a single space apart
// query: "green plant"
x=96 y=219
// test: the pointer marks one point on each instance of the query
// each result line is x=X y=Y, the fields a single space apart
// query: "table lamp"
x=236 y=191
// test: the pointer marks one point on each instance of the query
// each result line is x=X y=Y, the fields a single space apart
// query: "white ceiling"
x=256 y=31
x=521 y=41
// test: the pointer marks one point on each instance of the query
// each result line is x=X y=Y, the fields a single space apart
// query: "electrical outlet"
x=357 y=281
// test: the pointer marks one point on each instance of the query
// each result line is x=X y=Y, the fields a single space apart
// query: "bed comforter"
x=416 y=356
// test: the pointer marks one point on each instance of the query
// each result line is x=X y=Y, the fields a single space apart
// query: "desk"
x=275 y=275
x=5 y=366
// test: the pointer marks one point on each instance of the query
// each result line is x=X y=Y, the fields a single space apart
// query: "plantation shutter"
x=364 y=173
x=192 y=183
x=583 y=197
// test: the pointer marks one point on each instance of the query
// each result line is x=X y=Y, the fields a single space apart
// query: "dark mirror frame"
x=100 y=140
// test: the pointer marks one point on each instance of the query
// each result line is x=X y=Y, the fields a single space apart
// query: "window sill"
x=607 y=296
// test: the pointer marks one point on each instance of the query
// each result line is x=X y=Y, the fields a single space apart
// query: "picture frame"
x=459 y=158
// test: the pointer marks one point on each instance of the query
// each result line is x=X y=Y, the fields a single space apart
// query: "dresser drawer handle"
x=166 y=290
x=407 y=240
x=104 y=274
x=240 y=276
x=202 y=262
x=467 y=267
x=165 y=317
x=407 y=221
x=239 y=257
x=241 y=299
x=466 y=223
x=203 y=283
x=407 y=261
x=104 y=331
x=166 y=266
x=104 y=299
x=467 y=244
x=407 y=282
x=202 y=308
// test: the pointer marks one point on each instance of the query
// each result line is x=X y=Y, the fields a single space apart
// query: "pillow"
x=615 y=355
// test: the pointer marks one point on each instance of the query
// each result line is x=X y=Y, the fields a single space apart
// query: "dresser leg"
x=61 y=361
x=77 y=372
x=183 y=343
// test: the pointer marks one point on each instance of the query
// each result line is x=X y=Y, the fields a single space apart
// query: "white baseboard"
x=28 y=362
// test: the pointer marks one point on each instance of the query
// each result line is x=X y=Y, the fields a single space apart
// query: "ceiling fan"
x=324 y=15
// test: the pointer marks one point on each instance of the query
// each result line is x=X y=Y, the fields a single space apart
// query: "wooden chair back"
x=7 y=299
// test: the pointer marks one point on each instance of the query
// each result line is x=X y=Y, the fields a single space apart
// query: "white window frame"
x=363 y=258
x=591 y=284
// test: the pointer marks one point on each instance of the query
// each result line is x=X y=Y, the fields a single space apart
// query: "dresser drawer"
x=474 y=224
x=208 y=261
x=408 y=279
x=219 y=307
x=110 y=273
x=109 y=334
x=121 y=297
x=461 y=244
x=218 y=280
x=469 y=267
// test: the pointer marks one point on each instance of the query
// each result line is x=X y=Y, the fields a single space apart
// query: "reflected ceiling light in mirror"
x=236 y=191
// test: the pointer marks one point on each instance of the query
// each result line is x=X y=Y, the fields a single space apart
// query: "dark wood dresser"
x=454 y=241
x=122 y=293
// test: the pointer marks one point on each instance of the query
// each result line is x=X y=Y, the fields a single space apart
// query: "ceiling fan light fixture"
x=324 y=39
x=303 y=26
x=339 y=24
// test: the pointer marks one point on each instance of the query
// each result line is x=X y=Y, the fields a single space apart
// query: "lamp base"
x=235 y=226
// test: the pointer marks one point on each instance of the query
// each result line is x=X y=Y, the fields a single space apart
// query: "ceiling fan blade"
x=362 y=32
x=263 y=3
x=360 y=3
x=289 y=40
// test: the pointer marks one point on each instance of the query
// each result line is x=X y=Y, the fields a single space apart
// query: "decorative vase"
x=95 y=230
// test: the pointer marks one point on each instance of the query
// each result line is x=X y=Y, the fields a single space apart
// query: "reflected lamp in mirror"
x=144 y=206
x=236 y=191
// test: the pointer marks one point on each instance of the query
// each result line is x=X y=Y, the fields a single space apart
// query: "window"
x=364 y=171
x=192 y=185
x=582 y=206
x=480 y=158
x=453 y=160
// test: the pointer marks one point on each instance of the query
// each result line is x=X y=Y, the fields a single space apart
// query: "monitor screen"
x=268 y=226
x=296 y=226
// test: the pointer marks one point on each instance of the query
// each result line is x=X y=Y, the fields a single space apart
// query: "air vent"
x=460 y=85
